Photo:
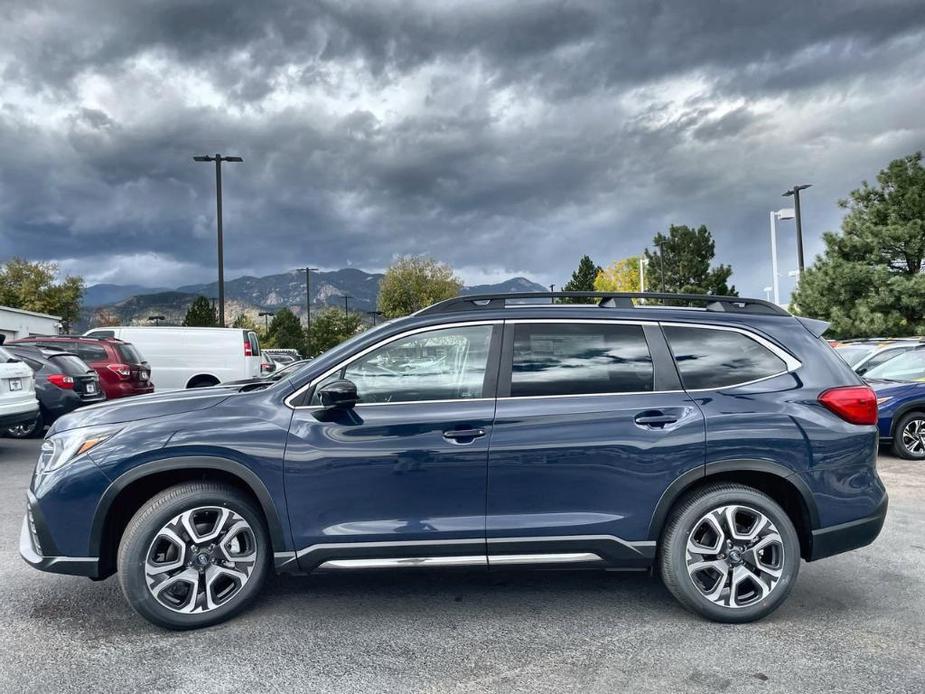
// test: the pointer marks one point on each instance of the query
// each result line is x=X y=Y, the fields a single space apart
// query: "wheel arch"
x=127 y=493
x=777 y=481
x=902 y=411
x=202 y=377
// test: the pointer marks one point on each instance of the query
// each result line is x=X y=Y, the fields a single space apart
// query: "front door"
x=399 y=479
x=590 y=429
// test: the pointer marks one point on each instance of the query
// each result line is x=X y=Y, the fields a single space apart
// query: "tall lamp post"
x=374 y=314
x=266 y=320
x=218 y=159
x=308 y=298
x=347 y=298
x=795 y=192
x=786 y=213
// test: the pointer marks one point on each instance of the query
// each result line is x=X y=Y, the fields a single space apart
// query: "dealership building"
x=16 y=323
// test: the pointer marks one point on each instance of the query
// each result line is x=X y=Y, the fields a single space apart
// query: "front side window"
x=579 y=359
x=708 y=358
x=445 y=364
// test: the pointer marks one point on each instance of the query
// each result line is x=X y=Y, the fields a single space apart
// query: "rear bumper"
x=847 y=536
x=11 y=419
x=124 y=389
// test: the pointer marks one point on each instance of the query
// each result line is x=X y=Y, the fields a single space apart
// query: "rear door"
x=591 y=427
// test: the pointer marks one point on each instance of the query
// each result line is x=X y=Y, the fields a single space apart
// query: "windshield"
x=906 y=367
x=286 y=371
x=128 y=353
x=854 y=353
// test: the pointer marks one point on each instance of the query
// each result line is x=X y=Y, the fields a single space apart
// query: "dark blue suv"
x=718 y=442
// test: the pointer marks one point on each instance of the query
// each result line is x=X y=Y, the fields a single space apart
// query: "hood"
x=138 y=407
x=896 y=388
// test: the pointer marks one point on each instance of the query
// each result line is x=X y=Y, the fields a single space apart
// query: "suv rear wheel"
x=729 y=553
x=194 y=555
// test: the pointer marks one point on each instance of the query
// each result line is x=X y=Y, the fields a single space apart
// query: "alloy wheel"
x=201 y=559
x=913 y=437
x=735 y=556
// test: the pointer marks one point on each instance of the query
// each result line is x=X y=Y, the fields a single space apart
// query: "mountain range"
x=133 y=304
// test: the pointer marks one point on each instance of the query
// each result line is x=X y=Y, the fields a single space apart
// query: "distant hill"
x=251 y=295
x=102 y=294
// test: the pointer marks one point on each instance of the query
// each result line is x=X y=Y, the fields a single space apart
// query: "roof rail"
x=732 y=304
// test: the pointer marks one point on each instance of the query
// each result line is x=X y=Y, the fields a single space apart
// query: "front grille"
x=35 y=536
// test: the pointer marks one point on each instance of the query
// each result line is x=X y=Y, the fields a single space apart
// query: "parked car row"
x=895 y=369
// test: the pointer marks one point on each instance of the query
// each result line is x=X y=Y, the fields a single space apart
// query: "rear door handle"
x=461 y=435
x=654 y=420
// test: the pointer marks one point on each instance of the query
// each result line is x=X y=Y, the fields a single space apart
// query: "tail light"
x=248 y=350
x=123 y=371
x=62 y=381
x=854 y=404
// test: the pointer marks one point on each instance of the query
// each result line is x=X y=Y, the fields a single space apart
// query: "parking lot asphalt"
x=854 y=623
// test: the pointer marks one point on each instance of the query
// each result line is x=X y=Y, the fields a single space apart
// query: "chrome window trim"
x=349 y=360
x=791 y=362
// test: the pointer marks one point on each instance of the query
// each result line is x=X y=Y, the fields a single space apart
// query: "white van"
x=18 y=404
x=191 y=357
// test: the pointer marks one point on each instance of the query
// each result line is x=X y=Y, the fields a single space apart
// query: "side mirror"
x=340 y=394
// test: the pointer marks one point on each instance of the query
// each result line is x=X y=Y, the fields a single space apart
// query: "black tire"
x=686 y=518
x=900 y=447
x=28 y=431
x=147 y=523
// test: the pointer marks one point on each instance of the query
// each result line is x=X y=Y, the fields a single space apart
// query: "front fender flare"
x=245 y=474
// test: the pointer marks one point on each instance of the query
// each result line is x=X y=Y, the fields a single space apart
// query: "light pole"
x=795 y=192
x=308 y=298
x=786 y=213
x=374 y=314
x=218 y=159
x=157 y=320
x=266 y=320
x=347 y=298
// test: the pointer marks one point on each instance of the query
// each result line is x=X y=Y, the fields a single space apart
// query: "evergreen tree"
x=582 y=280
x=200 y=314
x=870 y=280
x=286 y=332
x=330 y=327
x=682 y=264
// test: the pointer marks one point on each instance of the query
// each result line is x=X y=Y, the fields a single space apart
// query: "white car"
x=191 y=357
x=18 y=404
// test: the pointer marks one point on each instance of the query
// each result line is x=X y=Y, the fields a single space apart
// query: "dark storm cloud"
x=547 y=128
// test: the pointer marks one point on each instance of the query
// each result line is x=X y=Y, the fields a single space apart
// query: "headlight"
x=880 y=401
x=60 y=449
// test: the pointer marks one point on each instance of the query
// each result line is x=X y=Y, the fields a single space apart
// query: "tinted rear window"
x=579 y=359
x=73 y=366
x=709 y=358
x=89 y=353
x=128 y=353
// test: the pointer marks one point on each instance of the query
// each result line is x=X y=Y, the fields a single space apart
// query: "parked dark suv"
x=63 y=382
x=717 y=445
x=122 y=369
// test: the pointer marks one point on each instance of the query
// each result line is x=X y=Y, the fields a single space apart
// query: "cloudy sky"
x=503 y=136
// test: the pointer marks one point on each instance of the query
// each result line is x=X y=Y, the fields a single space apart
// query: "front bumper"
x=33 y=541
x=847 y=536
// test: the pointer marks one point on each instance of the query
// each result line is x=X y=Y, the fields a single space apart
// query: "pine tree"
x=682 y=263
x=286 y=332
x=870 y=280
x=200 y=314
x=582 y=280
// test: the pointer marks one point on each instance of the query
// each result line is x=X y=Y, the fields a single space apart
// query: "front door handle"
x=654 y=419
x=464 y=435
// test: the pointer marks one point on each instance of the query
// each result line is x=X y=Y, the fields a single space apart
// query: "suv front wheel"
x=729 y=553
x=194 y=555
